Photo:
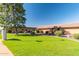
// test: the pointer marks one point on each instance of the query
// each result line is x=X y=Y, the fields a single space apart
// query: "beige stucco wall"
x=72 y=31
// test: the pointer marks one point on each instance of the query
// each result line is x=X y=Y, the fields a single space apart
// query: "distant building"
x=22 y=29
x=70 y=28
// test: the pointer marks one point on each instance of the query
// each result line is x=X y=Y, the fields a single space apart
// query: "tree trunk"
x=4 y=34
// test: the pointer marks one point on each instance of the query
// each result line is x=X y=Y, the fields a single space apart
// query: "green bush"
x=9 y=31
x=76 y=36
x=32 y=33
x=47 y=32
x=58 y=33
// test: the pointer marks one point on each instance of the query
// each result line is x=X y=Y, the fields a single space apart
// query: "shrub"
x=58 y=29
x=58 y=33
x=76 y=36
x=37 y=31
x=9 y=31
x=32 y=33
x=41 y=31
x=47 y=32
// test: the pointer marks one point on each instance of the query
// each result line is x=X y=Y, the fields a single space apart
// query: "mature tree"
x=5 y=18
x=11 y=15
x=18 y=18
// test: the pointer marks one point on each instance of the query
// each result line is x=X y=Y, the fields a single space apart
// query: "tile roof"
x=59 y=25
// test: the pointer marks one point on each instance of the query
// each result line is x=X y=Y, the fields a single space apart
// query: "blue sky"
x=51 y=13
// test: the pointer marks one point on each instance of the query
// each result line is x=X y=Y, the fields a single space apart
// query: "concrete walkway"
x=4 y=51
x=72 y=39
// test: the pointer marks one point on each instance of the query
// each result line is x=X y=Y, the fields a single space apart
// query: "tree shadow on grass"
x=39 y=41
x=13 y=39
x=27 y=35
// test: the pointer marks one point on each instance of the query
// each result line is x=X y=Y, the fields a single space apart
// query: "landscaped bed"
x=41 y=46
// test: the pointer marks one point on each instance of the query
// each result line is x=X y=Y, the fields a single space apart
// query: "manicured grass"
x=41 y=46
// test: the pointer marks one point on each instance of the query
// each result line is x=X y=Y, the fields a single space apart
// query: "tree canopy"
x=12 y=14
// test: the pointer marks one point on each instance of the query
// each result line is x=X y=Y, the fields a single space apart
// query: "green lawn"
x=41 y=46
